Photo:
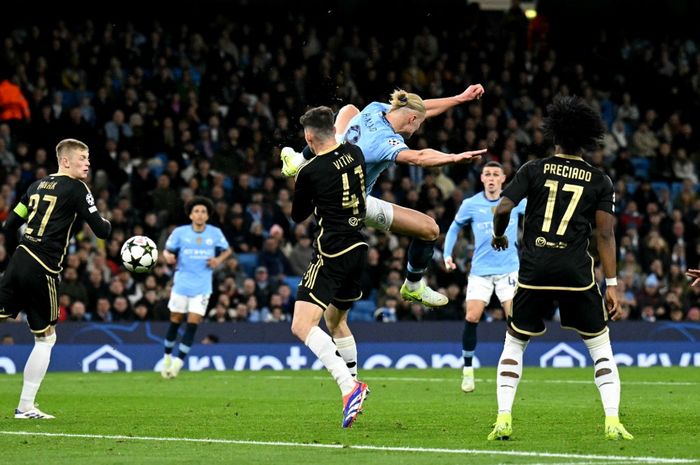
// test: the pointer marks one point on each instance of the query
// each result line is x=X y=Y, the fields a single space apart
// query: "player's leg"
x=321 y=282
x=42 y=314
x=475 y=308
x=305 y=326
x=292 y=160
x=585 y=312
x=337 y=324
x=336 y=315
x=178 y=306
x=307 y=315
x=524 y=322
x=424 y=231
x=34 y=372
x=196 y=308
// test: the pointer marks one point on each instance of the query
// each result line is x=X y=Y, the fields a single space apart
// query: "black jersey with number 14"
x=563 y=193
x=332 y=186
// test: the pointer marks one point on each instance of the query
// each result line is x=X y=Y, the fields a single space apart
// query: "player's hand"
x=694 y=274
x=475 y=91
x=170 y=258
x=213 y=262
x=499 y=242
x=611 y=302
x=450 y=264
x=468 y=157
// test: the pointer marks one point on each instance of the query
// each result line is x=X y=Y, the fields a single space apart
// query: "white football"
x=139 y=254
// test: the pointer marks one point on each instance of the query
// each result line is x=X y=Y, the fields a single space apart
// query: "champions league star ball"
x=139 y=254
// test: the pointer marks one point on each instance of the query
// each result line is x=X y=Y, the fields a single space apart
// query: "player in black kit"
x=51 y=207
x=332 y=186
x=565 y=197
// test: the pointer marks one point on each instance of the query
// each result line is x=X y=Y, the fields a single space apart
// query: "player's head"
x=319 y=126
x=73 y=158
x=493 y=177
x=199 y=209
x=408 y=112
x=573 y=125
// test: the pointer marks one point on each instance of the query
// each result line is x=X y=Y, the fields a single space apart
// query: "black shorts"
x=334 y=280
x=29 y=287
x=583 y=311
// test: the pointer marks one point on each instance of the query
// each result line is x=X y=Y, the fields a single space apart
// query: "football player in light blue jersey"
x=490 y=270
x=379 y=130
x=197 y=249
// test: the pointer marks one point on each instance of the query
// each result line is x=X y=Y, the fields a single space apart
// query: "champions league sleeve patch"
x=90 y=201
x=394 y=142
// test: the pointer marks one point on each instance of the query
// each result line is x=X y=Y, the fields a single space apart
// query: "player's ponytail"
x=402 y=99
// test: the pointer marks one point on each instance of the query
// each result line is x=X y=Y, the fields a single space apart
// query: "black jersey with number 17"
x=332 y=186
x=563 y=194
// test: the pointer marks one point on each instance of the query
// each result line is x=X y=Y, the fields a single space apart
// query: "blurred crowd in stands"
x=176 y=109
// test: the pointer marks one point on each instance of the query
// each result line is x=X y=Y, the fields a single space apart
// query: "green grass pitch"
x=293 y=417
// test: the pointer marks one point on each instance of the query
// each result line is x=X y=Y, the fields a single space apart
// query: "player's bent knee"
x=473 y=318
x=430 y=230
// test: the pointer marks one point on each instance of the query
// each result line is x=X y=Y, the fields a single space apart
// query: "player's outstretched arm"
x=436 y=106
x=694 y=274
x=427 y=158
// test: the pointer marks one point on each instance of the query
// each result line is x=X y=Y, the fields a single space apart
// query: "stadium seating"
x=659 y=186
x=641 y=167
x=362 y=310
x=248 y=262
x=293 y=283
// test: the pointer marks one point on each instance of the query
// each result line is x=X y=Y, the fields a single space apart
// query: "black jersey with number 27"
x=563 y=194
x=53 y=205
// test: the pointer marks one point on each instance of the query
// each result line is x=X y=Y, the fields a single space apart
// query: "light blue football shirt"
x=193 y=275
x=478 y=211
x=371 y=131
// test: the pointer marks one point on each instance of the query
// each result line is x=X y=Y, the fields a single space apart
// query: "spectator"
x=301 y=255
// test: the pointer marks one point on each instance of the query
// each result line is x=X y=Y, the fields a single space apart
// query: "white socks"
x=322 y=345
x=510 y=370
x=413 y=286
x=607 y=378
x=348 y=351
x=35 y=370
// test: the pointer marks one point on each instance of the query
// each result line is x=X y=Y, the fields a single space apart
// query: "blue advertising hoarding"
x=137 y=346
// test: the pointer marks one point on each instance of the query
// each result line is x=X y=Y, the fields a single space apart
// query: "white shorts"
x=183 y=304
x=380 y=213
x=482 y=287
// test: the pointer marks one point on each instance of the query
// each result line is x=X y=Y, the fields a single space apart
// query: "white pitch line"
x=615 y=458
x=451 y=380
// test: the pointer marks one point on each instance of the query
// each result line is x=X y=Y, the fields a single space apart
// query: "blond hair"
x=67 y=145
x=402 y=99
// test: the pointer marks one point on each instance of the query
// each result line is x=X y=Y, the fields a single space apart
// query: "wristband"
x=497 y=237
x=611 y=281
